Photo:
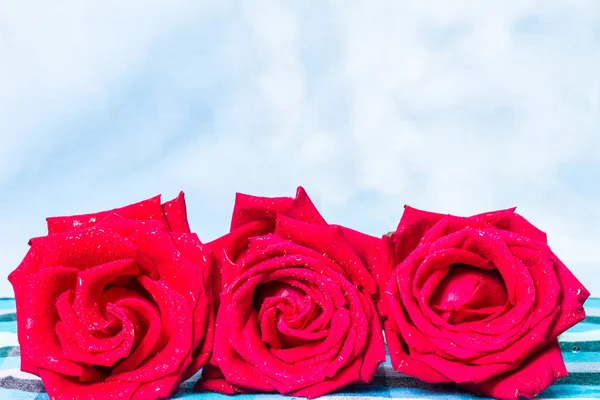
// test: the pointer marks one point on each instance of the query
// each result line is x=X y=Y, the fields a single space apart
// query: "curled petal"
x=144 y=210
x=60 y=387
x=176 y=321
x=175 y=212
x=253 y=208
x=529 y=379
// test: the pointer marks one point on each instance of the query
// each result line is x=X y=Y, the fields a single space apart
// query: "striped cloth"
x=580 y=346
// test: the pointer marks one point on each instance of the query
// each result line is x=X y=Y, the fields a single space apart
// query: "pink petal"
x=144 y=210
x=176 y=214
x=529 y=379
x=252 y=208
x=60 y=387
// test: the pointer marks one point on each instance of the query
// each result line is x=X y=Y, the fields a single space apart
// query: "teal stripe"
x=5 y=351
x=8 y=326
x=592 y=320
x=8 y=317
x=586 y=326
x=592 y=303
x=568 y=347
x=581 y=379
x=570 y=391
x=583 y=356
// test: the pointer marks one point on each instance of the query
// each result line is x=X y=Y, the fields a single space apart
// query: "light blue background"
x=457 y=107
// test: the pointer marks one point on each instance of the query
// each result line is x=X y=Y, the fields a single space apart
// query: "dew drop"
x=576 y=349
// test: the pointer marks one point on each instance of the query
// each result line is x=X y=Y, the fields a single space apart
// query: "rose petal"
x=329 y=240
x=84 y=249
x=401 y=360
x=72 y=351
x=531 y=378
x=523 y=227
x=60 y=387
x=175 y=213
x=367 y=247
x=466 y=288
x=374 y=352
x=203 y=351
x=346 y=376
x=573 y=296
x=235 y=243
x=411 y=228
x=148 y=345
x=234 y=368
x=91 y=283
x=79 y=333
x=174 y=269
x=158 y=389
x=213 y=381
x=176 y=320
x=149 y=209
x=40 y=317
x=252 y=208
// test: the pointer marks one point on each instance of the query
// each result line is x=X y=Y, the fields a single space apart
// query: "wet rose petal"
x=296 y=314
x=116 y=304
x=477 y=301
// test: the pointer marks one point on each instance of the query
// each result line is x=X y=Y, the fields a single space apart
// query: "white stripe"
x=8 y=311
x=592 y=312
x=583 y=366
x=8 y=339
x=17 y=373
x=589 y=336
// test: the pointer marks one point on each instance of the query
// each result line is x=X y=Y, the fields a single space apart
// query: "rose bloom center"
x=468 y=294
x=287 y=315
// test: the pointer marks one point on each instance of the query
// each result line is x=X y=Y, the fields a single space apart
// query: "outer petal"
x=61 y=388
x=330 y=240
x=176 y=213
x=235 y=243
x=213 y=381
x=149 y=209
x=235 y=369
x=413 y=225
x=573 y=295
x=403 y=362
x=346 y=376
x=369 y=249
x=161 y=388
x=509 y=220
x=528 y=380
x=413 y=218
x=85 y=249
x=39 y=315
x=520 y=225
x=374 y=352
x=252 y=208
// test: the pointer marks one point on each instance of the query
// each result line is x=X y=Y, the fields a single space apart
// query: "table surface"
x=580 y=346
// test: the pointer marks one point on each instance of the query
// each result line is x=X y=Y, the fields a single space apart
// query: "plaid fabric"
x=580 y=345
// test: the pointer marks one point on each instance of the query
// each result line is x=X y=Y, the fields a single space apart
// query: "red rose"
x=296 y=313
x=111 y=304
x=478 y=301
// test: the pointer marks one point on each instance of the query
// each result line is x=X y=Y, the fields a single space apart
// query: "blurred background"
x=458 y=107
